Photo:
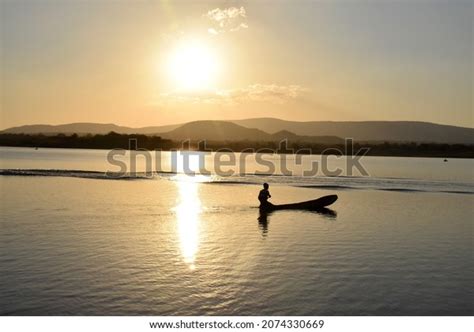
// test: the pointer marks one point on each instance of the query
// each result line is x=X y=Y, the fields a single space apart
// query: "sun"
x=192 y=65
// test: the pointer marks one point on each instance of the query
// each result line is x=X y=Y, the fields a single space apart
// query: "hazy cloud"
x=256 y=92
x=267 y=92
x=228 y=19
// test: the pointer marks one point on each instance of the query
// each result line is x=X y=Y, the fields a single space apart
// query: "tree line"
x=114 y=140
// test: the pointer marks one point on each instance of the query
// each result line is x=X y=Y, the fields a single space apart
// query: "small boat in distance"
x=312 y=205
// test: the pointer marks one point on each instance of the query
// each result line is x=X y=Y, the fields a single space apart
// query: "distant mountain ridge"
x=228 y=131
x=215 y=131
x=86 y=128
x=276 y=129
x=372 y=131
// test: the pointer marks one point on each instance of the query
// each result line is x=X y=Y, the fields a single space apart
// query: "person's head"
x=265 y=185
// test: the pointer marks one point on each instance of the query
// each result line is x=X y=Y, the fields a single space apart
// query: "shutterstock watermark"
x=225 y=162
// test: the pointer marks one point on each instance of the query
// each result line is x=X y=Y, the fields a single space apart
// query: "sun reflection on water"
x=188 y=213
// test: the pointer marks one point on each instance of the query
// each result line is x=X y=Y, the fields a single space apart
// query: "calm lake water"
x=73 y=242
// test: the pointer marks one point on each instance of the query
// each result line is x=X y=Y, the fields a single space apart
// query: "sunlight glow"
x=188 y=213
x=192 y=66
x=186 y=162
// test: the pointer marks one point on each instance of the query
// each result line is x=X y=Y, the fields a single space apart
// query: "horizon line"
x=256 y=118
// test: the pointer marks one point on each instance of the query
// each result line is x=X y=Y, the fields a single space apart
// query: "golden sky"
x=165 y=62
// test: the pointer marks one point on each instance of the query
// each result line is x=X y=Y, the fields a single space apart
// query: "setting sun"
x=192 y=66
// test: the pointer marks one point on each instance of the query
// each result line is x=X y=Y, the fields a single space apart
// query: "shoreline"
x=470 y=155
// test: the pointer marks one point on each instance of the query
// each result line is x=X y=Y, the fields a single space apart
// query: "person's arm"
x=269 y=195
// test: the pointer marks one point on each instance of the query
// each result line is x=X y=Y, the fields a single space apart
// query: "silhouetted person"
x=264 y=195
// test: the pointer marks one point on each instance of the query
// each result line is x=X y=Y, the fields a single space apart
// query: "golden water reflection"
x=188 y=212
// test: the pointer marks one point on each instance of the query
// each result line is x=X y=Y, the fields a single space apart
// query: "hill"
x=215 y=131
x=373 y=131
x=196 y=130
x=272 y=129
x=82 y=128
x=228 y=131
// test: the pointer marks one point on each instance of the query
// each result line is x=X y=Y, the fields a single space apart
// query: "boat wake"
x=333 y=183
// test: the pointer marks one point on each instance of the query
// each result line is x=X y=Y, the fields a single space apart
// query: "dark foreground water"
x=173 y=246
